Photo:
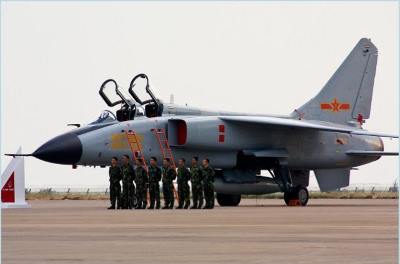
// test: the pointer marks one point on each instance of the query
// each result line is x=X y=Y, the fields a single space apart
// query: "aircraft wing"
x=301 y=124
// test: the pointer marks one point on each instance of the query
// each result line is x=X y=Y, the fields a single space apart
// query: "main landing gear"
x=296 y=196
x=293 y=195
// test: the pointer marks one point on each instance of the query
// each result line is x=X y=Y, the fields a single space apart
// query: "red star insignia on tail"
x=335 y=106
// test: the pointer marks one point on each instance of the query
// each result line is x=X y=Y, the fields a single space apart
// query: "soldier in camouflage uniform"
x=168 y=177
x=197 y=184
x=154 y=186
x=128 y=188
x=115 y=186
x=208 y=184
x=141 y=182
x=183 y=185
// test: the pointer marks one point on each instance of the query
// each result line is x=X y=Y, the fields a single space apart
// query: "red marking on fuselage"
x=221 y=136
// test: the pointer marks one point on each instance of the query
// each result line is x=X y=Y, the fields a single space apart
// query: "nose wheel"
x=296 y=196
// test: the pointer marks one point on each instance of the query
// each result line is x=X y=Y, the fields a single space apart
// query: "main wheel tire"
x=288 y=196
x=302 y=195
x=228 y=199
x=296 y=196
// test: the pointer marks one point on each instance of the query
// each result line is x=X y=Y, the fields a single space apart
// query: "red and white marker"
x=13 y=184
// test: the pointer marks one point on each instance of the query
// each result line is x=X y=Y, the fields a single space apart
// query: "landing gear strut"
x=293 y=195
x=228 y=199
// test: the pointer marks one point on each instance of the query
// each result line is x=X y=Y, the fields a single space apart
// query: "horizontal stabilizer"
x=371 y=153
x=376 y=134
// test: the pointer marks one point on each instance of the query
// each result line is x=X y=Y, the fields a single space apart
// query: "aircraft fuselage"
x=210 y=137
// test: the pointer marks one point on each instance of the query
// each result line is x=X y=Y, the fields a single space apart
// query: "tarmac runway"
x=259 y=231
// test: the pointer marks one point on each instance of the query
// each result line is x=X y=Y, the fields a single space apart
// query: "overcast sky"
x=260 y=57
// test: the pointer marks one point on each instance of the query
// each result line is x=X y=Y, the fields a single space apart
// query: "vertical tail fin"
x=348 y=93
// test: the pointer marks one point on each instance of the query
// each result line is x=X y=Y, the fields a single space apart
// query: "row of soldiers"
x=137 y=182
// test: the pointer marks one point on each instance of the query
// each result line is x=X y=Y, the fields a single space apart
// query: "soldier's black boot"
x=186 y=205
x=151 y=206
x=111 y=207
x=158 y=206
x=180 y=206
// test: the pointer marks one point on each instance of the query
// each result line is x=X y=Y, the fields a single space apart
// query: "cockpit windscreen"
x=105 y=117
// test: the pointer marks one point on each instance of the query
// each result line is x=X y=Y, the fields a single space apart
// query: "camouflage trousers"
x=115 y=195
x=141 y=196
x=209 y=194
x=168 y=192
x=154 y=190
x=128 y=195
x=184 y=194
x=197 y=195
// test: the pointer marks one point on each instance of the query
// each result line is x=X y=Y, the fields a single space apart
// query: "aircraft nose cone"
x=64 y=149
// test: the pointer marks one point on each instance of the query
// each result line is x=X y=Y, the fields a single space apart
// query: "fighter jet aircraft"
x=324 y=135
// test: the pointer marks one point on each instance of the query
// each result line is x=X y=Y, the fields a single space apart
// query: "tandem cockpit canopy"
x=133 y=103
